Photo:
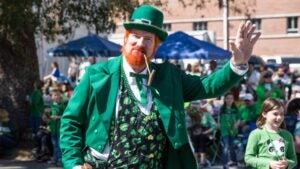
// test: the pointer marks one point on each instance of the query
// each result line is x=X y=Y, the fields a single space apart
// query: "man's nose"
x=141 y=41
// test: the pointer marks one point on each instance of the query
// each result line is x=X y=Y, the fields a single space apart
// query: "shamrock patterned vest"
x=137 y=140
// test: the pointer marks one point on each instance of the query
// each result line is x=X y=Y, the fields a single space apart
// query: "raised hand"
x=244 y=42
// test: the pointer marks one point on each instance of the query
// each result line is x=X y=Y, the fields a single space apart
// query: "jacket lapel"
x=162 y=93
x=106 y=84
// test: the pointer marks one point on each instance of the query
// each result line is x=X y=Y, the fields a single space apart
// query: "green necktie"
x=139 y=81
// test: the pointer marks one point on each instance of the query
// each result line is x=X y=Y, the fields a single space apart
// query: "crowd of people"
x=235 y=114
x=47 y=102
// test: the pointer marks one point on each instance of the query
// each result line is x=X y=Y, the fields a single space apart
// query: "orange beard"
x=135 y=58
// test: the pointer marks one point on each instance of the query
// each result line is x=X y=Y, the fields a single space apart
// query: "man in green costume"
x=128 y=112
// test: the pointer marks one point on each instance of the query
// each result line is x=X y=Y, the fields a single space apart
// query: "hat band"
x=146 y=21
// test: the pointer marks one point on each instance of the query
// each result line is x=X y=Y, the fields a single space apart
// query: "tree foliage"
x=22 y=21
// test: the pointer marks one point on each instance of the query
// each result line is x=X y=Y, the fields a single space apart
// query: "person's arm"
x=251 y=153
x=212 y=124
x=71 y=131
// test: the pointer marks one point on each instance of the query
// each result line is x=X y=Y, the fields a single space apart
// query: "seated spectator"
x=8 y=134
x=43 y=151
x=202 y=130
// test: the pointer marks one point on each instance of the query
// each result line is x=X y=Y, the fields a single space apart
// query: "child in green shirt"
x=270 y=145
x=57 y=108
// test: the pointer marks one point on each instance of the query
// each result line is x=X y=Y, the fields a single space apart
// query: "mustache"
x=141 y=49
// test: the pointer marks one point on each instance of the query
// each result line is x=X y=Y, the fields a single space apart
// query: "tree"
x=21 y=21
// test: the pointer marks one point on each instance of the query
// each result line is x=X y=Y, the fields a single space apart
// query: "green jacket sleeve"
x=210 y=86
x=251 y=154
x=72 y=125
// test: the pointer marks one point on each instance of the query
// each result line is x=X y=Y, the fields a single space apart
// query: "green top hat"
x=149 y=19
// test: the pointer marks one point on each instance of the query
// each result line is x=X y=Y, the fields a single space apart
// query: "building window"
x=167 y=27
x=292 y=25
x=199 y=26
x=257 y=23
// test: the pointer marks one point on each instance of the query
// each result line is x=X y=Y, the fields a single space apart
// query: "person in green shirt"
x=271 y=146
x=248 y=114
x=267 y=88
x=57 y=108
x=36 y=103
x=229 y=129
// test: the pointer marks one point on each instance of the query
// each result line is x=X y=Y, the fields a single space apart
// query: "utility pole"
x=225 y=24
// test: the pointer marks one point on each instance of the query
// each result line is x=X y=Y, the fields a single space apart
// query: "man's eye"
x=135 y=35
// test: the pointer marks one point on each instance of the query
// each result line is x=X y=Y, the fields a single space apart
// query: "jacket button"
x=179 y=126
x=96 y=131
x=176 y=144
x=93 y=119
x=100 y=147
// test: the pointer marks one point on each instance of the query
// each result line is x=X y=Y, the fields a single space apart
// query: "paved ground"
x=21 y=158
x=17 y=164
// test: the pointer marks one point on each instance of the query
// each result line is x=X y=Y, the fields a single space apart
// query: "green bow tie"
x=136 y=75
x=139 y=81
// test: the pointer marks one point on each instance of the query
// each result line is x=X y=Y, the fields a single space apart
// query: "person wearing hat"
x=128 y=112
x=267 y=88
x=248 y=114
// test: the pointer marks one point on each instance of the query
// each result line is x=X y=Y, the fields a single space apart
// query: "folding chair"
x=214 y=148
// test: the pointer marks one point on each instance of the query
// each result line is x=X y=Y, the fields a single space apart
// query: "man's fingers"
x=246 y=29
x=249 y=36
x=240 y=31
x=254 y=40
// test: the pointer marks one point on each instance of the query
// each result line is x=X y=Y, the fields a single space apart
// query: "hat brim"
x=162 y=35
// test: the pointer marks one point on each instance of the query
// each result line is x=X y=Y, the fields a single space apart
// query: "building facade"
x=277 y=20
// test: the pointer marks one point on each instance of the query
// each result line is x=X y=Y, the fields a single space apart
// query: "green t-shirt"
x=36 y=103
x=208 y=121
x=57 y=109
x=261 y=90
x=248 y=113
x=264 y=146
x=228 y=117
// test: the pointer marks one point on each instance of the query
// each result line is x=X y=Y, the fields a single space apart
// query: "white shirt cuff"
x=77 y=167
x=239 y=70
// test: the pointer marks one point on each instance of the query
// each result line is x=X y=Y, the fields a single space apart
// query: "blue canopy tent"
x=91 y=45
x=180 y=45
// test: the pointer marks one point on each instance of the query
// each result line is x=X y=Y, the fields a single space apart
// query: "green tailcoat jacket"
x=87 y=118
